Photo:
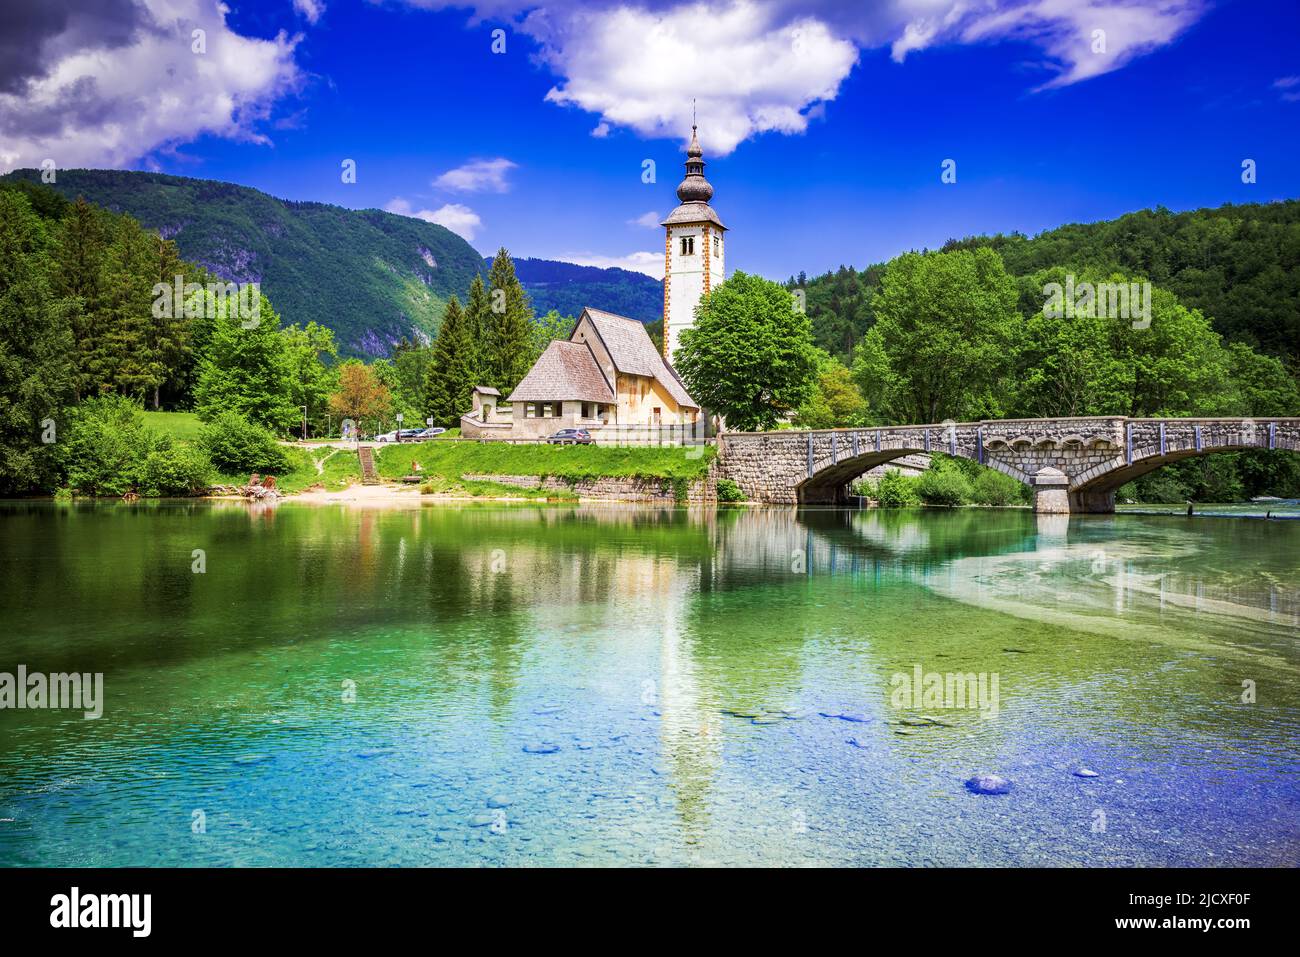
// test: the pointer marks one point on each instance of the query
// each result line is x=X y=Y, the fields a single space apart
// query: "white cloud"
x=478 y=176
x=652 y=264
x=648 y=220
x=311 y=10
x=1088 y=39
x=461 y=220
x=772 y=66
x=1288 y=85
x=749 y=72
x=97 y=102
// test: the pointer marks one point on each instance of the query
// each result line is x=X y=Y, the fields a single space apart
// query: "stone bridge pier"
x=1072 y=464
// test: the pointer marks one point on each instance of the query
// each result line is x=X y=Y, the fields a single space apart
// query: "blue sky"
x=824 y=126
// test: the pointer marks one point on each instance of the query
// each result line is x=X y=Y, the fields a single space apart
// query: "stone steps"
x=369 y=474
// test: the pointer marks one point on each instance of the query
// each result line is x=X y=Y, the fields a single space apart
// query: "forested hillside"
x=1238 y=265
x=567 y=288
x=372 y=277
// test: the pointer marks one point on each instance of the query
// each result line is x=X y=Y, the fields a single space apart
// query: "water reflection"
x=679 y=663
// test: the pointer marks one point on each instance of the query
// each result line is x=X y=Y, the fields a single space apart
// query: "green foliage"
x=508 y=337
x=729 y=491
x=174 y=468
x=36 y=348
x=549 y=328
x=836 y=401
x=944 y=484
x=946 y=323
x=750 y=355
x=449 y=376
x=896 y=490
x=108 y=450
x=237 y=445
x=312 y=358
x=1235 y=263
x=992 y=487
x=247 y=369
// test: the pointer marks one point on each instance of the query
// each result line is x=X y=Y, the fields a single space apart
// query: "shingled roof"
x=634 y=353
x=566 y=370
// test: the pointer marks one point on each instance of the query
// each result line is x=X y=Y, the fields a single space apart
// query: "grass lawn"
x=451 y=460
x=179 y=425
x=333 y=468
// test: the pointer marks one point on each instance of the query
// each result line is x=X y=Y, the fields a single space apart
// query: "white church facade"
x=607 y=377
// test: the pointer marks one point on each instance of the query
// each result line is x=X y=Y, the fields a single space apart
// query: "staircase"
x=369 y=474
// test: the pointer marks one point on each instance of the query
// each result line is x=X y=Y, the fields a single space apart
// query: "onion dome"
x=694 y=188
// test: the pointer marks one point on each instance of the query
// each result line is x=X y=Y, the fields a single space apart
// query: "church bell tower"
x=694 y=249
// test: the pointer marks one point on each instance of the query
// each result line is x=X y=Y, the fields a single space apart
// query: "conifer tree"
x=510 y=334
x=478 y=327
x=36 y=351
x=449 y=380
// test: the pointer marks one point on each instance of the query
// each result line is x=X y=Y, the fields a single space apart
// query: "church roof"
x=566 y=370
x=633 y=353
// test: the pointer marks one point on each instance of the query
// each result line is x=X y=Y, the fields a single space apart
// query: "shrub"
x=995 y=488
x=729 y=491
x=943 y=484
x=237 y=445
x=110 y=451
x=896 y=490
x=174 y=469
x=106 y=443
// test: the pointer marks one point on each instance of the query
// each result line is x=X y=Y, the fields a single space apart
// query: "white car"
x=387 y=437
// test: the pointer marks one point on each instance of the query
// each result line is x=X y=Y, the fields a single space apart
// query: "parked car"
x=386 y=437
x=409 y=434
x=571 y=437
x=429 y=434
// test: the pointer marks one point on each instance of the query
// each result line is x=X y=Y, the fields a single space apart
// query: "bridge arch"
x=1093 y=490
x=1072 y=464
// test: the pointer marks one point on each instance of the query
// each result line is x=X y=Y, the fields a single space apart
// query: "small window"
x=717 y=244
x=688 y=245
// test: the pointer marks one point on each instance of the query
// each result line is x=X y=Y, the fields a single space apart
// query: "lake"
x=596 y=685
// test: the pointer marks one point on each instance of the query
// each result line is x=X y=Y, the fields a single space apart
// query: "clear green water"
x=619 y=636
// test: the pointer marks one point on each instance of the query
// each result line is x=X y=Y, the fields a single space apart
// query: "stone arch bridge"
x=1072 y=465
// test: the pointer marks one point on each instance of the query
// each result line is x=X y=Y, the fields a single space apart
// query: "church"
x=607 y=376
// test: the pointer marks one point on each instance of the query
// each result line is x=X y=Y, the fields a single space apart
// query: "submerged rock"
x=857 y=743
x=1086 y=773
x=845 y=716
x=499 y=800
x=988 y=784
x=542 y=747
x=251 y=759
x=376 y=752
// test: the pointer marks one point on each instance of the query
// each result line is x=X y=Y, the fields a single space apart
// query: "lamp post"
x=304 y=423
x=399 y=427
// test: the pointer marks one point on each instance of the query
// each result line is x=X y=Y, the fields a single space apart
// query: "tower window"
x=688 y=245
x=717 y=244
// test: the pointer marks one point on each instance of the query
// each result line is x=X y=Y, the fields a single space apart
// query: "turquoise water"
x=347 y=686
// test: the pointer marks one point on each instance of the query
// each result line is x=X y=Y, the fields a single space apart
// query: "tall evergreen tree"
x=509 y=337
x=37 y=351
x=449 y=380
x=478 y=326
x=81 y=247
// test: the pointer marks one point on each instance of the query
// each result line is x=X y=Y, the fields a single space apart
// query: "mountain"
x=1238 y=264
x=372 y=277
x=567 y=288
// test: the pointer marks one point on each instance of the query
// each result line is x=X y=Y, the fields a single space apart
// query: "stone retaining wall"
x=657 y=491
